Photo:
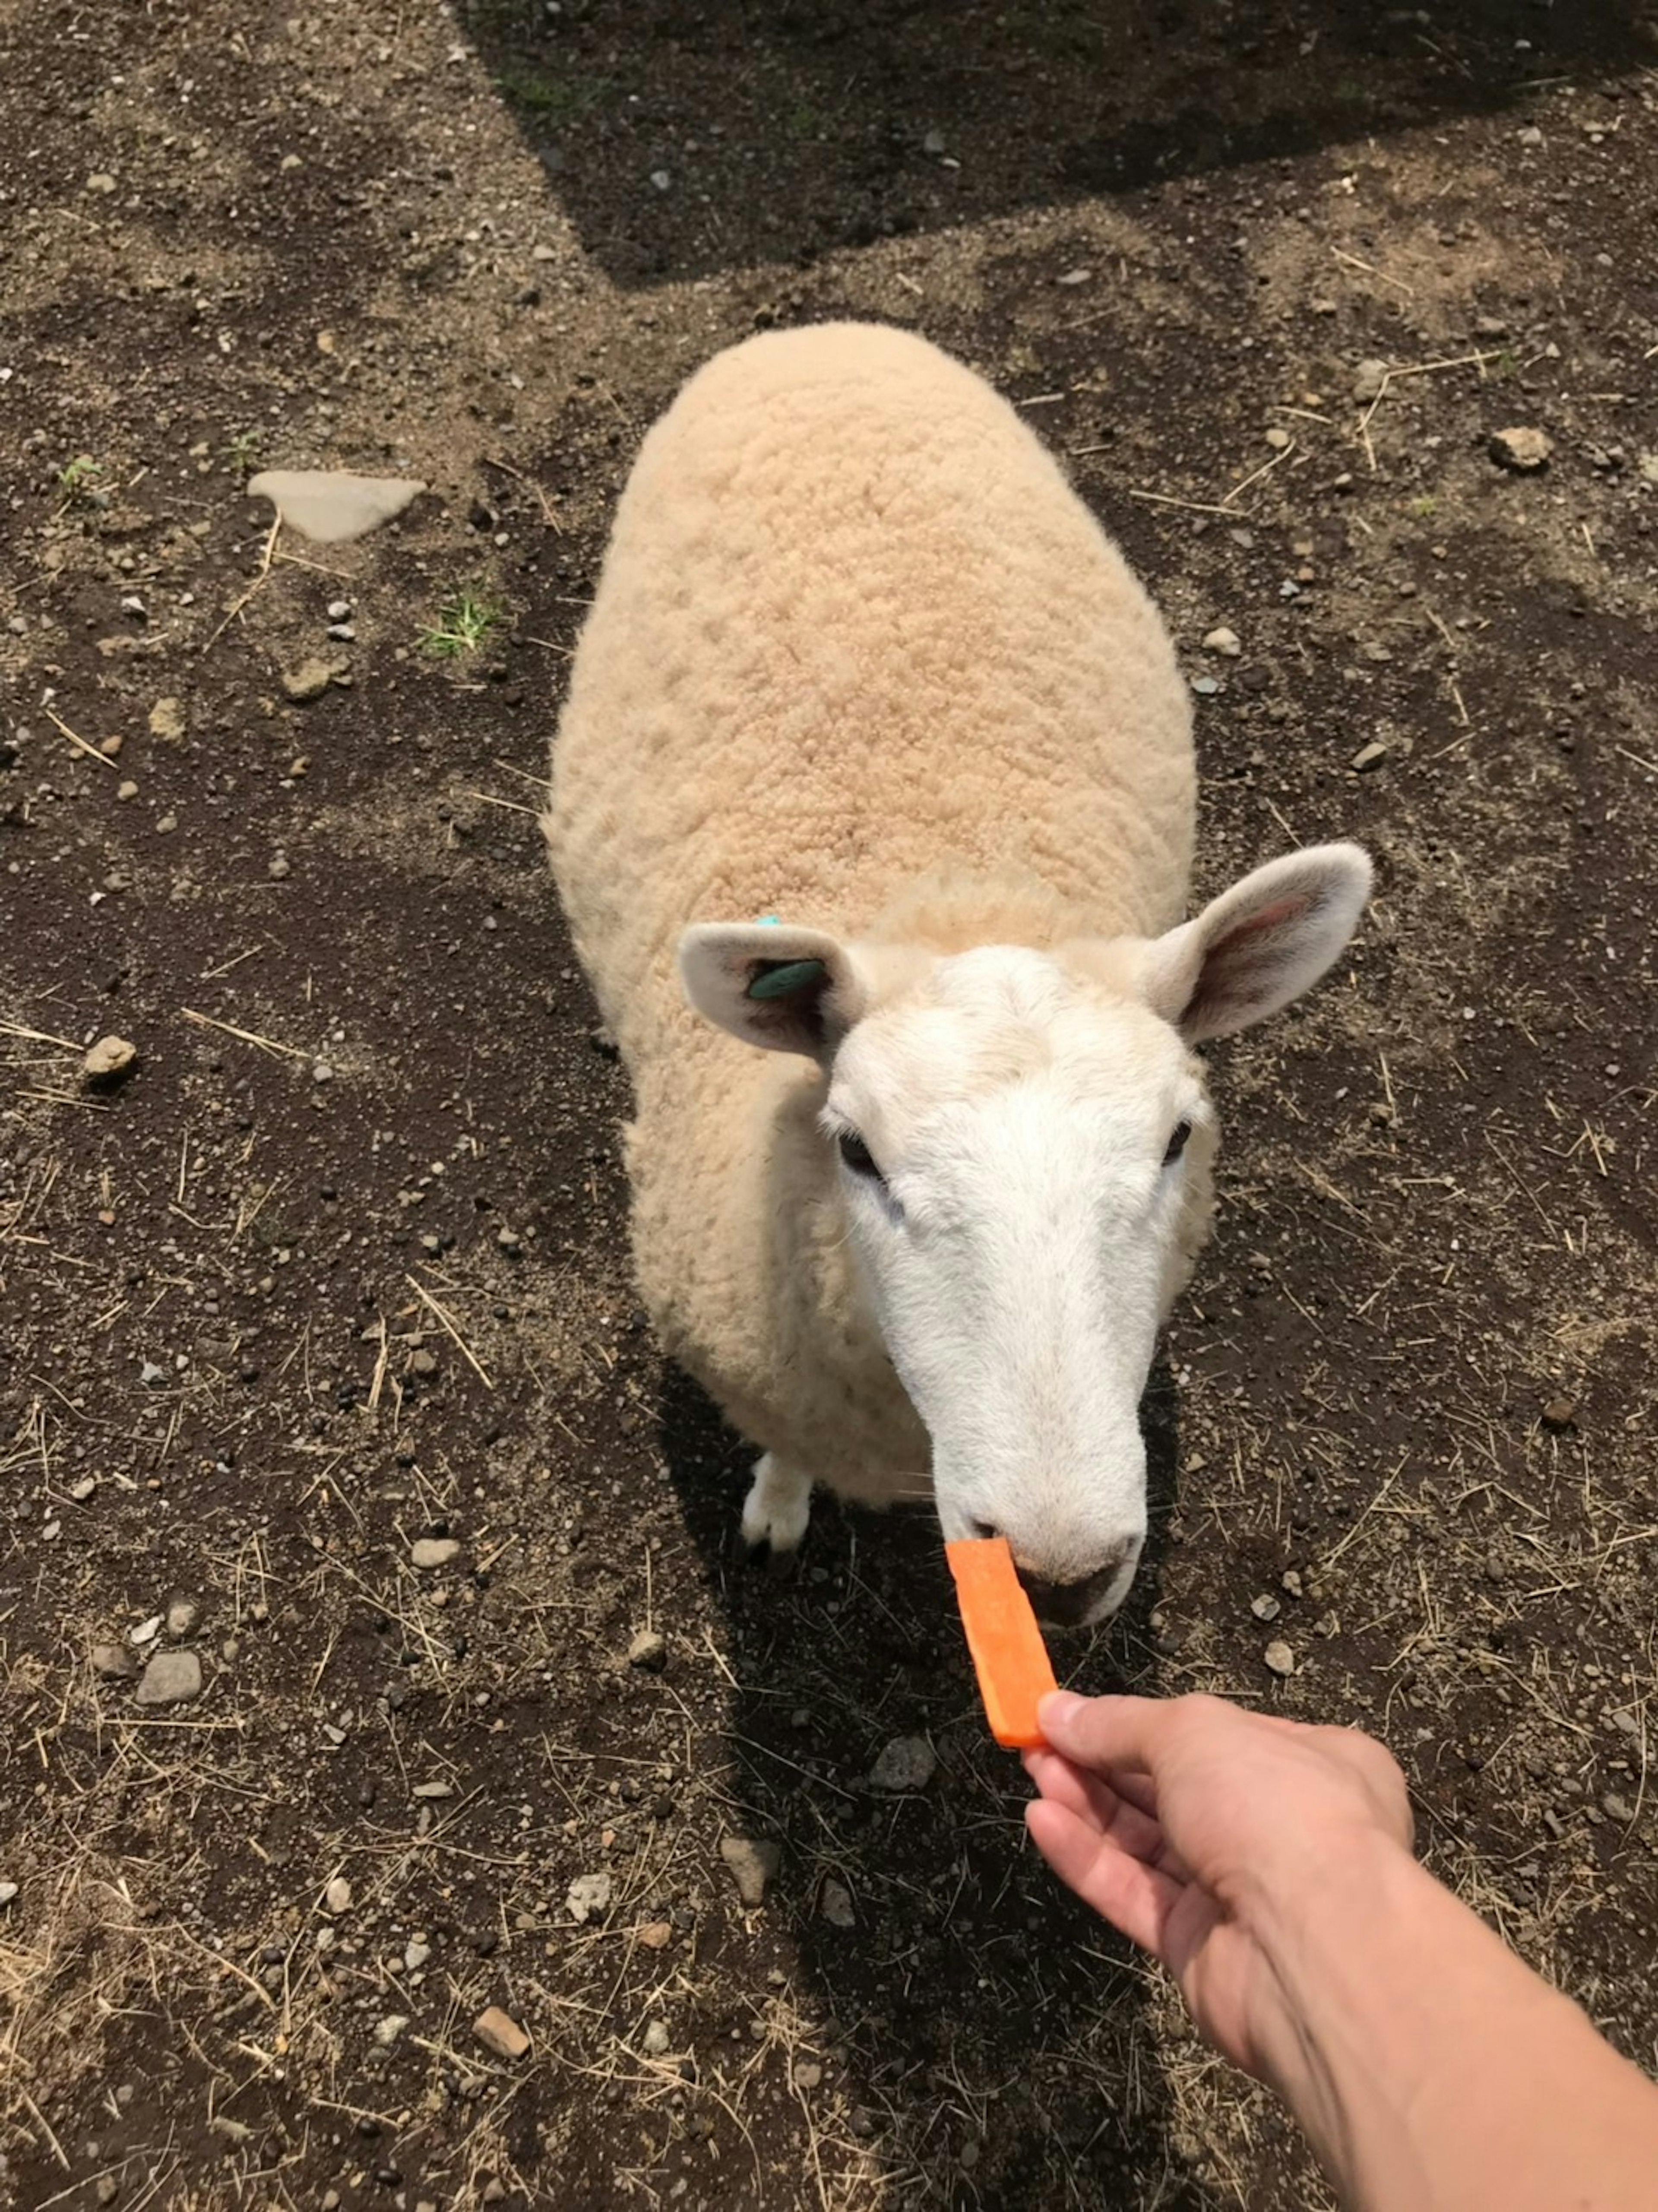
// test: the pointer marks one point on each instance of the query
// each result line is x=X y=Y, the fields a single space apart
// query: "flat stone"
x=171 y=1677
x=908 y=1762
x=430 y=1551
x=331 y=506
x=752 y=1866
x=1523 y=450
x=499 y=2032
x=109 y=1058
x=1368 y=757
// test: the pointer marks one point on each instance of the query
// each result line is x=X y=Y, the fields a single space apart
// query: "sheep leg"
x=777 y=1509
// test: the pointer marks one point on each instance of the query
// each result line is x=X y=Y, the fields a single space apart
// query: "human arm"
x=1269 y=1866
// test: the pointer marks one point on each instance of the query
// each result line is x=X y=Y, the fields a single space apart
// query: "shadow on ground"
x=682 y=142
x=993 y=2029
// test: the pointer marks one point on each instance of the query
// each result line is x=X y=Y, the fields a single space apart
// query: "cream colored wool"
x=860 y=658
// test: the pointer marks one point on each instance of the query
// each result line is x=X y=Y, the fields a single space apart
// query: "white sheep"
x=877 y=756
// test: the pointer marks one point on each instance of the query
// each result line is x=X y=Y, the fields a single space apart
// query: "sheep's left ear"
x=785 y=990
x=1259 y=945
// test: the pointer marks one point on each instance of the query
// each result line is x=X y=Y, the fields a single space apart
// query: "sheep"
x=871 y=813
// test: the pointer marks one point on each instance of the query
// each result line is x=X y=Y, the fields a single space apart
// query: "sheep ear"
x=783 y=989
x=1259 y=945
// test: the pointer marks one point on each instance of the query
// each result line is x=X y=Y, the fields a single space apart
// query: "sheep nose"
x=1067 y=1605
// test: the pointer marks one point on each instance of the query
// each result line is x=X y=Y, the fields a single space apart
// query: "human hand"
x=1198 y=1829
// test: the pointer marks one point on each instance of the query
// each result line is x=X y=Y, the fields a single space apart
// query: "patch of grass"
x=553 y=97
x=79 y=478
x=464 y=623
x=1422 y=508
x=237 y=453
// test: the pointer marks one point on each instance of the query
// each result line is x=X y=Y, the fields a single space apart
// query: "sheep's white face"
x=1024 y=1149
x=1018 y=1151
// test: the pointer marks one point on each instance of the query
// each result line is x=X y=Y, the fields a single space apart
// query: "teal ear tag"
x=769 y=921
x=786 y=978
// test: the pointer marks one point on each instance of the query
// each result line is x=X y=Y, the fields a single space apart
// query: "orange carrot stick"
x=1008 y=1652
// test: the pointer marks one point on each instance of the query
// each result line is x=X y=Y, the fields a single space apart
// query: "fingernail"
x=1053 y=1710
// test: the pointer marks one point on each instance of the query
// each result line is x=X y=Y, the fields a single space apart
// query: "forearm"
x=1435 y=2073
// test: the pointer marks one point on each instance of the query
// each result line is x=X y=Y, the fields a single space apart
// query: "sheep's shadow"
x=991 y=2028
x=752 y=133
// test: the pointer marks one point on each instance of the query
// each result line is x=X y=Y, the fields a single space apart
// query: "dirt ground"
x=338 y=1267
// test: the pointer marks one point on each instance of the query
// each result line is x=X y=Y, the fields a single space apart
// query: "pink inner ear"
x=1270 y=917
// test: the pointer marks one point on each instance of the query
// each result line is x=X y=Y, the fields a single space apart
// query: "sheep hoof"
x=775 y=1513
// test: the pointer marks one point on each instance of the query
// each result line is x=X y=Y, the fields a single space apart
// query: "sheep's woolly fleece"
x=858 y=658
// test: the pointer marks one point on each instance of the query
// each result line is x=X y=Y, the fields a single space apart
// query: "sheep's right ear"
x=783 y=989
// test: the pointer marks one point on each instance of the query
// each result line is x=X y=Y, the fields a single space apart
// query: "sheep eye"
x=1177 y=1142
x=857 y=1155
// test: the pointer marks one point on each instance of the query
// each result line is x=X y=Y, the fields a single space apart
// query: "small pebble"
x=1281 y=1659
x=908 y=1762
x=1224 y=642
x=1370 y=379
x=339 y=610
x=1523 y=450
x=101 y=181
x=1264 y=1607
x=499 y=2032
x=655 y=2040
x=387 y=2032
x=416 y=1954
x=587 y=1894
x=1278 y=440
x=336 y=1897
x=752 y=1866
x=430 y=1551
x=656 y=1934
x=648 y=1651
x=8 y=1891
x=183 y=1616
x=114 y=1661
x=836 y=1907
x=127 y=790
x=1531 y=136
x=112 y=1056
x=1368 y=757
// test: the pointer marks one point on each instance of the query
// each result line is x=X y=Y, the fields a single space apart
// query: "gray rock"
x=430 y=1552
x=1264 y=1607
x=114 y=1661
x=183 y=1614
x=835 y=1905
x=648 y=1649
x=752 y=1866
x=908 y=1762
x=171 y=1677
x=339 y=610
x=1370 y=379
x=1281 y=1659
x=416 y=1954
